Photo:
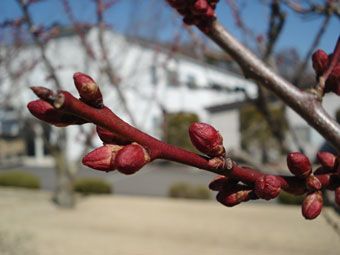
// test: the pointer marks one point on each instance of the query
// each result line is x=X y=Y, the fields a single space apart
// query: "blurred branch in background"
x=63 y=195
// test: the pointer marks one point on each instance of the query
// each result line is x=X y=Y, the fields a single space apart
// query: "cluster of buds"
x=321 y=61
x=244 y=184
x=116 y=153
x=126 y=159
x=43 y=109
x=196 y=12
x=232 y=191
x=300 y=166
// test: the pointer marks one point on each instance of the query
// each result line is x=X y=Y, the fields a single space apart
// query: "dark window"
x=191 y=82
x=9 y=128
x=154 y=78
x=172 y=78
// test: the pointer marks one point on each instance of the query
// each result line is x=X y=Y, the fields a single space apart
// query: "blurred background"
x=160 y=76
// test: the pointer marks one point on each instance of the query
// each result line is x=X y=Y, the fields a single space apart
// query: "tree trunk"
x=63 y=195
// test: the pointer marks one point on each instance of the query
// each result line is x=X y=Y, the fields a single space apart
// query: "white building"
x=152 y=78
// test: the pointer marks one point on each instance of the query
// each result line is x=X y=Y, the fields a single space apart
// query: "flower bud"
x=234 y=197
x=322 y=170
x=200 y=7
x=299 y=164
x=43 y=93
x=210 y=12
x=313 y=183
x=218 y=183
x=88 y=90
x=110 y=137
x=267 y=187
x=46 y=112
x=131 y=158
x=206 y=139
x=337 y=196
x=320 y=61
x=333 y=82
x=312 y=205
x=102 y=158
x=326 y=159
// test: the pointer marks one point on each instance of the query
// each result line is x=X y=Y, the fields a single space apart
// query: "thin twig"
x=39 y=44
x=300 y=71
x=109 y=70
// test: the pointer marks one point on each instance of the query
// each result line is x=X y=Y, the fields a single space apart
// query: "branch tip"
x=43 y=93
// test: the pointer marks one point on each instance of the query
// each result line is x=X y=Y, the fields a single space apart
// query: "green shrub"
x=186 y=190
x=254 y=128
x=88 y=186
x=289 y=199
x=19 y=179
x=176 y=129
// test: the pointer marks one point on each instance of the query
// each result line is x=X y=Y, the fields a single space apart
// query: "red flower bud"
x=313 y=183
x=206 y=139
x=267 y=187
x=43 y=93
x=102 y=158
x=218 y=183
x=88 y=90
x=131 y=158
x=200 y=7
x=299 y=164
x=326 y=159
x=46 y=112
x=210 y=12
x=312 y=205
x=320 y=61
x=322 y=170
x=234 y=197
x=110 y=137
x=333 y=81
x=337 y=196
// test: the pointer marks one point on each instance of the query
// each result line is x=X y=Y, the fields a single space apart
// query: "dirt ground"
x=30 y=225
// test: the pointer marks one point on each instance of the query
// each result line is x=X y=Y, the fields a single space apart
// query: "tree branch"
x=66 y=103
x=307 y=105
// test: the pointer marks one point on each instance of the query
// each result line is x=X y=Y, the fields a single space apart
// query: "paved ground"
x=122 y=225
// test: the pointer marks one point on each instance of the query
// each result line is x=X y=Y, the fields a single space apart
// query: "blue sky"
x=153 y=18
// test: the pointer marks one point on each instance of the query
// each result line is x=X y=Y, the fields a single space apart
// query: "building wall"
x=227 y=123
x=310 y=138
x=144 y=74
